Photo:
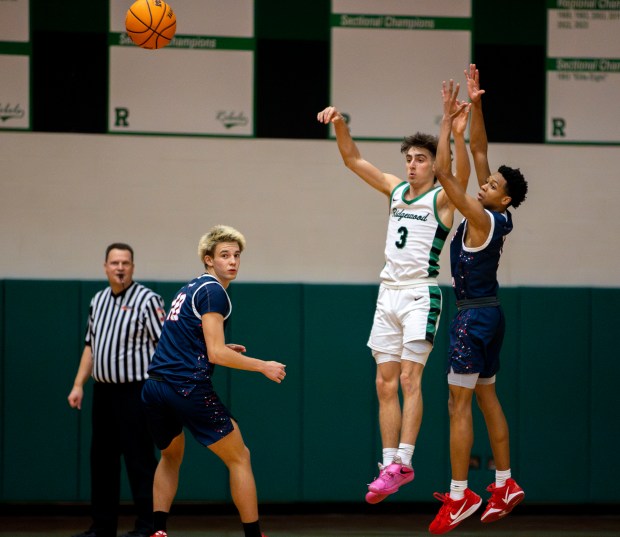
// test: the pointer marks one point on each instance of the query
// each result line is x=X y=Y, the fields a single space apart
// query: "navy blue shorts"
x=201 y=411
x=476 y=336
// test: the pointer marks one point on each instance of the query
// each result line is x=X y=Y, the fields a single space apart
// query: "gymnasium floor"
x=325 y=524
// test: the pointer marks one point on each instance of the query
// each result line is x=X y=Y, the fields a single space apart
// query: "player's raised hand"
x=329 y=115
x=473 y=83
x=459 y=121
x=452 y=107
x=274 y=371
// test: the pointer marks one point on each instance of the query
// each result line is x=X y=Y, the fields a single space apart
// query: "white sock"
x=457 y=489
x=500 y=477
x=405 y=452
x=388 y=455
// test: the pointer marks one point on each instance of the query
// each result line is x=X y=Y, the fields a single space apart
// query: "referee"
x=124 y=326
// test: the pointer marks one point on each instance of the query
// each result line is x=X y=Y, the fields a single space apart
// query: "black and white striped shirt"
x=123 y=331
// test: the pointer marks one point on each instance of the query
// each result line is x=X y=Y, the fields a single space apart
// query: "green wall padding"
x=554 y=392
x=339 y=403
x=556 y=384
x=39 y=430
x=604 y=432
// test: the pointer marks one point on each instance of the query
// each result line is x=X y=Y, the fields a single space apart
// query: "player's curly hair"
x=217 y=234
x=516 y=185
x=419 y=139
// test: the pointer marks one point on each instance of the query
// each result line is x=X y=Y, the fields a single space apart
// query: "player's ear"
x=208 y=261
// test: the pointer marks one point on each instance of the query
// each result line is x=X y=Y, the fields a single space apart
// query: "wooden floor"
x=323 y=524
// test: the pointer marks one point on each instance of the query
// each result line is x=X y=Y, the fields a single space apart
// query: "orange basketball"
x=150 y=23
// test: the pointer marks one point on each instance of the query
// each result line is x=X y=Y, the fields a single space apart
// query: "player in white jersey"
x=409 y=302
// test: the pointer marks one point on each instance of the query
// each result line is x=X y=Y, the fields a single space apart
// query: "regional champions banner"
x=202 y=83
x=15 y=64
x=388 y=59
x=583 y=71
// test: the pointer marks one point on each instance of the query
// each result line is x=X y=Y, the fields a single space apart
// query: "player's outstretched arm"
x=468 y=206
x=478 y=143
x=222 y=354
x=351 y=156
x=459 y=126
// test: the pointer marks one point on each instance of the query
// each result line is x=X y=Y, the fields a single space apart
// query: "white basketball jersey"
x=415 y=237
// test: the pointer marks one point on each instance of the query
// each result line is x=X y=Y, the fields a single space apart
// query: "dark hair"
x=419 y=139
x=516 y=185
x=118 y=246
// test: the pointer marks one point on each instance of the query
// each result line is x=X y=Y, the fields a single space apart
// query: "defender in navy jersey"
x=477 y=331
x=179 y=393
x=409 y=303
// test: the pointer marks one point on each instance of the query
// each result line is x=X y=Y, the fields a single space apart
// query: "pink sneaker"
x=391 y=478
x=160 y=533
x=502 y=500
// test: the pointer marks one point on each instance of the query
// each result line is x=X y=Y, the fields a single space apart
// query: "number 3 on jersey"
x=175 y=307
x=403 y=237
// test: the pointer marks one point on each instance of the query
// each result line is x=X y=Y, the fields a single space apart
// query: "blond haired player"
x=179 y=392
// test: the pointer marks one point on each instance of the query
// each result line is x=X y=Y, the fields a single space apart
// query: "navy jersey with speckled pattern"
x=181 y=357
x=474 y=270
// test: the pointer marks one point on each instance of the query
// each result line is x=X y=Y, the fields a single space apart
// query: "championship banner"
x=202 y=83
x=15 y=64
x=583 y=71
x=388 y=60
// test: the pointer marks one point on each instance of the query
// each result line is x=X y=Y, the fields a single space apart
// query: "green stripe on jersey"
x=438 y=243
x=434 y=313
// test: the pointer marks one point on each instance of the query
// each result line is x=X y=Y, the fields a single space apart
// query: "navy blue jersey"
x=182 y=357
x=474 y=270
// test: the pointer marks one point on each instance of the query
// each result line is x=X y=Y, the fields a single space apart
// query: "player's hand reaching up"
x=329 y=115
x=473 y=84
x=274 y=371
x=453 y=109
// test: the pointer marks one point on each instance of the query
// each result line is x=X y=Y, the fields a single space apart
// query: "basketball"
x=150 y=23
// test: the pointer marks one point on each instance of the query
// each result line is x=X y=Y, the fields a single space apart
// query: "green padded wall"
x=267 y=319
x=557 y=386
x=38 y=427
x=554 y=393
x=339 y=409
x=2 y=383
x=604 y=432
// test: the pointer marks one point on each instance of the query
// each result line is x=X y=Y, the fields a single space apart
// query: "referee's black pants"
x=119 y=429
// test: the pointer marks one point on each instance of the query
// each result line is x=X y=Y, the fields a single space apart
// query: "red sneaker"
x=502 y=501
x=453 y=512
x=160 y=533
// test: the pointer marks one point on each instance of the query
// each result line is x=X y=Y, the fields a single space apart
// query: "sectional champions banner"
x=202 y=83
x=388 y=59
x=583 y=71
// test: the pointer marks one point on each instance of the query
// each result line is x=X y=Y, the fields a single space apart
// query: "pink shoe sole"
x=373 y=497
